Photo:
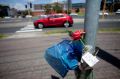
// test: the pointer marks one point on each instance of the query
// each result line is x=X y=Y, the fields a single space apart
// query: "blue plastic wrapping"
x=78 y=48
x=64 y=56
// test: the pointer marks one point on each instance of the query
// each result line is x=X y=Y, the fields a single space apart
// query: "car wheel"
x=66 y=24
x=40 y=25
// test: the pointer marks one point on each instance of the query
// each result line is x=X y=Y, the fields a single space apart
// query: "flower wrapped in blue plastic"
x=64 y=56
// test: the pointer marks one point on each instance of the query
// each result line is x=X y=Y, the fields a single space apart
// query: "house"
x=38 y=9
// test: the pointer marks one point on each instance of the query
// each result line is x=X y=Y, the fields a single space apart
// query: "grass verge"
x=2 y=36
x=110 y=30
x=56 y=32
x=81 y=14
x=105 y=30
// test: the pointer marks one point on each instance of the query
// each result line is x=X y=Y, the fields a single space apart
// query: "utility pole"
x=91 y=22
x=28 y=3
x=69 y=5
x=113 y=5
x=104 y=8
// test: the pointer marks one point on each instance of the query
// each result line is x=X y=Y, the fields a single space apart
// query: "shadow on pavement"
x=109 y=58
x=54 y=77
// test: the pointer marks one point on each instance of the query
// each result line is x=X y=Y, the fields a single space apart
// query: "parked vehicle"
x=43 y=16
x=7 y=17
x=74 y=14
x=103 y=13
x=28 y=16
x=118 y=11
x=54 y=20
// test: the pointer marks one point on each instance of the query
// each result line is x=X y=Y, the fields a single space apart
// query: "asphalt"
x=23 y=58
x=6 y=28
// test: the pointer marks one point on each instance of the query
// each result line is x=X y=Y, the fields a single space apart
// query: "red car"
x=54 y=20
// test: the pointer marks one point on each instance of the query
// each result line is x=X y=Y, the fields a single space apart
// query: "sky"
x=20 y=4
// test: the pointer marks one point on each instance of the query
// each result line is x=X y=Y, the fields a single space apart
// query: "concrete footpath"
x=23 y=58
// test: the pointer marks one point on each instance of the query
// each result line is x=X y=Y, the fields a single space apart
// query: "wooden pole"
x=104 y=7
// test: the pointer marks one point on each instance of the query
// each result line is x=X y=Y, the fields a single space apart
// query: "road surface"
x=23 y=58
x=13 y=27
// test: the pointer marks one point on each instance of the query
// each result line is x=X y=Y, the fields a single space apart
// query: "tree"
x=77 y=10
x=47 y=8
x=57 y=8
x=67 y=11
x=4 y=10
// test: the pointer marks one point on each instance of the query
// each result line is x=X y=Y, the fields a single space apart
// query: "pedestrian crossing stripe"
x=35 y=30
x=28 y=28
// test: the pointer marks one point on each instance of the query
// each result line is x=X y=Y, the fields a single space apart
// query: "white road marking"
x=28 y=31
x=28 y=28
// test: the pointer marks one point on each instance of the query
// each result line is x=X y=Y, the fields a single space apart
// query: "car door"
x=58 y=20
x=51 y=20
